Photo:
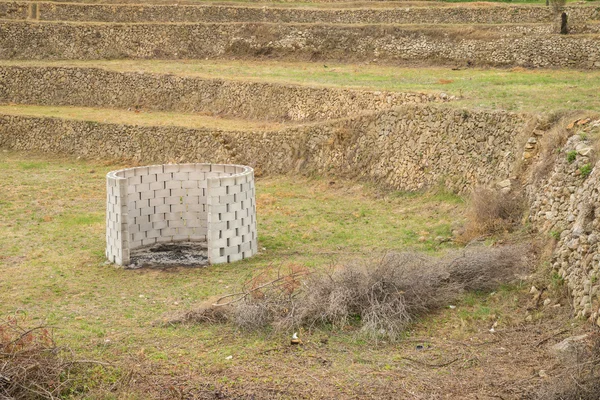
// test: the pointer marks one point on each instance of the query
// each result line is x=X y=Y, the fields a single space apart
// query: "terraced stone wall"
x=385 y=43
x=14 y=10
x=94 y=87
x=392 y=15
x=566 y=205
x=409 y=148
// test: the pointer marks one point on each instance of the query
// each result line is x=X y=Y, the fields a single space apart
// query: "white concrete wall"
x=182 y=202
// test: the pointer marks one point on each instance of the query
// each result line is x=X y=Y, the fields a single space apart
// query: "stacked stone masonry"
x=438 y=14
x=474 y=45
x=566 y=205
x=97 y=87
x=182 y=202
x=411 y=147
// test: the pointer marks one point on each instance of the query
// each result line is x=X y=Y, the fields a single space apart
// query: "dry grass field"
x=74 y=326
x=54 y=274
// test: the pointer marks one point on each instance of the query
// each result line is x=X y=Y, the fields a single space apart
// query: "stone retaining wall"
x=14 y=10
x=401 y=14
x=566 y=205
x=409 y=148
x=95 y=87
x=385 y=43
x=182 y=202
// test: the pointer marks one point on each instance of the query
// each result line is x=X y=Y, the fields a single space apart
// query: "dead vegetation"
x=32 y=366
x=380 y=299
x=491 y=212
x=579 y=379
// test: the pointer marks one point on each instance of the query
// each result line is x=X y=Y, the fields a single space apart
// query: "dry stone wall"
x=566 y=205
x=409 y=148
x=385 y=43
x=49 y=11
x=95 y=87
x=182 y=202
x=14 y=10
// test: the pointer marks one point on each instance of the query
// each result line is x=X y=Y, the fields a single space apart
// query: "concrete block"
x=158 y=185
x=158 y=225
x=164 y=193
x=157 y=201
x=178 y=208
x=235 y=241
x=236 y=257
x=155 y=169
x=149 y=178
x=190 y=184
x=181 y=238
x=178 y=192
x=148 y=242
x=173 y=200
x=162 y=209
x=171 y=168
x=164 y=177
x=147 y=195
x=181 y=176
x=152 y=234
x=187 y=167
x=202 y=167
x=173 y=184
x=141 y=171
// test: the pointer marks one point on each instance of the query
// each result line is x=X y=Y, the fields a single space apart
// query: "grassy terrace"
x=334 y=4
x=52 y=269
x=144 y=118
x=515 y=89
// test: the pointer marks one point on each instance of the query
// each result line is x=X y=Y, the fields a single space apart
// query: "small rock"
x=573 y=244
x=542 y=373
x=504 y=184
x=533 y=290
x=547 y=302
x=568 y=346
x=583 y=121
x=583 y=149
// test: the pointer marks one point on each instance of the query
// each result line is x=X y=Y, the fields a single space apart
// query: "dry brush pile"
x=381 y=298
x=33 y=367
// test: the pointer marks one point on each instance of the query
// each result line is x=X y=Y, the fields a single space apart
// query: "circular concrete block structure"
x=212 y=204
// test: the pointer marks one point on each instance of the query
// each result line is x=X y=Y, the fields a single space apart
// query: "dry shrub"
x=204 y=314
x=580 y=378
x=387 y=296
x=29 y=367
x=33 y=367
x=381 y=299
x=492 y=211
